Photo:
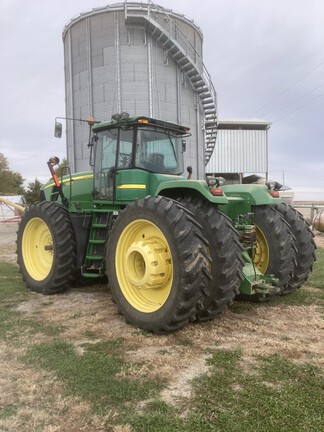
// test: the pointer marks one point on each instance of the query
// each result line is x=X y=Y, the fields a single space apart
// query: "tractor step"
x=94 y=264
x=98 y=225
x=96 y=275
x=94 y=257
x=97 y=242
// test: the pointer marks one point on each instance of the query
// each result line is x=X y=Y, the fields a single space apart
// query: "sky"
x=266 y=60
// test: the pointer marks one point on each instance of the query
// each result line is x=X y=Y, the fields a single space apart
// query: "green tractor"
x=174 y=249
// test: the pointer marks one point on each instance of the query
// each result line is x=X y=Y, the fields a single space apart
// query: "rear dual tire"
x=304 y=244
x=275 y=253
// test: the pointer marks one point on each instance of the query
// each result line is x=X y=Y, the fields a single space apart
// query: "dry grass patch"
x=32 y=399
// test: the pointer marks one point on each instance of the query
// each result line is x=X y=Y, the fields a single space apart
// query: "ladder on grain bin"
x=169 y=35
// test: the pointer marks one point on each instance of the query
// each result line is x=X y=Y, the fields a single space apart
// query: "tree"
x=11 y=182
x=32 y=193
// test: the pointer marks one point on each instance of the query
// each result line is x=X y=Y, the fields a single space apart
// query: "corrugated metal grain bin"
x=142 y=59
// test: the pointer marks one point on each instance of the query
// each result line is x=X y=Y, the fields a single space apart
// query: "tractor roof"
x=119 y=121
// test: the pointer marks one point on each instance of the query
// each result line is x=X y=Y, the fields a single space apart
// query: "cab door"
x=130 y=183
x=105 y=164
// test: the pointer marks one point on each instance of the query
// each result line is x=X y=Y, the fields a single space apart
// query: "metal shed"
x=241 y=148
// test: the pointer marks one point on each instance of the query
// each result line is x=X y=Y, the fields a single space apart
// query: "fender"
x=242 y=197
x=172 y=188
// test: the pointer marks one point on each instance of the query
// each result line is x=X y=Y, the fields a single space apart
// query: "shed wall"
x=239 y=151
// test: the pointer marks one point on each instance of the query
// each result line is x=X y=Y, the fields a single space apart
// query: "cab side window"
x=105 y=161
x=125 y=156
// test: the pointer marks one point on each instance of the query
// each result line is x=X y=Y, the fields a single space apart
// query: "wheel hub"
x=148 y=264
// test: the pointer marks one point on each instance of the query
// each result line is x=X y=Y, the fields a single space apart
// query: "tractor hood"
x=77 y=188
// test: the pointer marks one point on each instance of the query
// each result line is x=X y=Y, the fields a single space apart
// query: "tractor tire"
x=305 y=245
x=275 y=253
x=157 y=264
x=226 y=254
x=46 y=248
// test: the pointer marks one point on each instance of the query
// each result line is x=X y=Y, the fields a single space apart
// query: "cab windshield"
x=158 y=150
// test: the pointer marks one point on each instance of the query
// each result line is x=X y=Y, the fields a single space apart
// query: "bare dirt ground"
x=295 y=332
x=7 y=241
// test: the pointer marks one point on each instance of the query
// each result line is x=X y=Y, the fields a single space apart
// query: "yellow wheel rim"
x=144 y=266
x=261 y=254
x=37 y=249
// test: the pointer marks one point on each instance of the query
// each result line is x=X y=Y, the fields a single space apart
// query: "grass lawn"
x=235 y=393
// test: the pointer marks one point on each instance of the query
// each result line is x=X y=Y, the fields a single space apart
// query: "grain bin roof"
x=129 y=5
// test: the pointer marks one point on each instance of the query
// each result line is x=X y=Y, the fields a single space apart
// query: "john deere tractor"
x=174 y=249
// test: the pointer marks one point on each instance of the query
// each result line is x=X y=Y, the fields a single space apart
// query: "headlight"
x=212 y=181
x=220 y=180
x=271 y=185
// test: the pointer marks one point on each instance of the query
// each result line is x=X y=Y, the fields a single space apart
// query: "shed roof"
x=236 y=124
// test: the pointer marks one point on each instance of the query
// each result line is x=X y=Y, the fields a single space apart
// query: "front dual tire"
x=46 y=248
x=157 y=264
x=225 y=252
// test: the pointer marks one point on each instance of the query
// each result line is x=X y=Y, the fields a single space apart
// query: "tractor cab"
x=127 y=153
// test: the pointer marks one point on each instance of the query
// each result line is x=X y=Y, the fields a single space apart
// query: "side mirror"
x=91 y=143
x=184 y=146
x=58 y=130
